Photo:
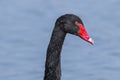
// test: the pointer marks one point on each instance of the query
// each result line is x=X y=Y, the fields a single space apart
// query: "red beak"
x=83 y=33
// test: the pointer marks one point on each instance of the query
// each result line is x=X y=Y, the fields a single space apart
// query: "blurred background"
x=25 y=31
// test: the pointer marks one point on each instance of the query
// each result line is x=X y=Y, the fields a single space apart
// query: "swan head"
x=72 y=24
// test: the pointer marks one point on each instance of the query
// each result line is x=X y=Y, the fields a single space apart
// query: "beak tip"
x=91 y=41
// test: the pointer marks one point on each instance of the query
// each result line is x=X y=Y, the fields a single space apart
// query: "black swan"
x=68 y=23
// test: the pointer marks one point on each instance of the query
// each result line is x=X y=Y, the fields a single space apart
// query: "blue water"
x=25 y=30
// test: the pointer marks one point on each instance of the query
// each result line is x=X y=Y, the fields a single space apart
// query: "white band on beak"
x=91 y=40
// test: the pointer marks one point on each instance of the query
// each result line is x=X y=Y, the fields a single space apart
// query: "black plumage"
x=64 y=24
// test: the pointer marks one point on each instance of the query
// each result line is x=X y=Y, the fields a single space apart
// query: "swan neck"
x=53 y=57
